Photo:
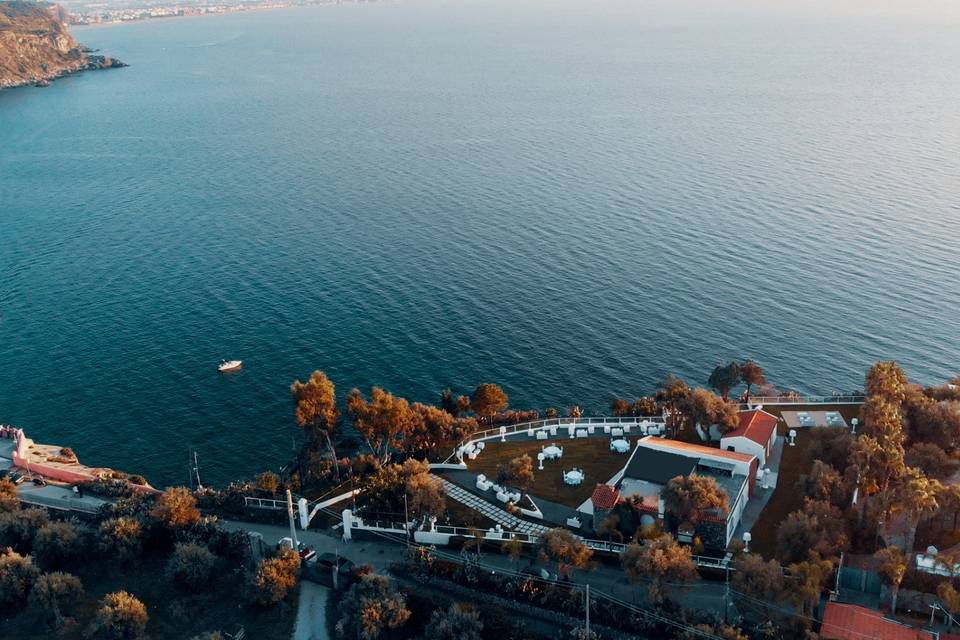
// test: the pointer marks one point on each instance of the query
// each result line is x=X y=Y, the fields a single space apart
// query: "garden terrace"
x=592 y=455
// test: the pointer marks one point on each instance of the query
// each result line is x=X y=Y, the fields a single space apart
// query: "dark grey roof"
x=654 y=465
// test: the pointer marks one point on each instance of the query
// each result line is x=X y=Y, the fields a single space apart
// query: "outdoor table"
x=553 y=451
x=620 y=446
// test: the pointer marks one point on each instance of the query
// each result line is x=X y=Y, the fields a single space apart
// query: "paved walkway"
x=508 y=521
x=311 y=612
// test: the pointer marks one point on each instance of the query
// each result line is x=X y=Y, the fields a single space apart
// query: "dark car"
x=16 y=478
x=39 y=481
x=322 y=570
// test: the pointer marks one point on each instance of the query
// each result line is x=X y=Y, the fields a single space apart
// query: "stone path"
x=508 y=521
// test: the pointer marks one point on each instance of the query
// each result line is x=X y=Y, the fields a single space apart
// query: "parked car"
x=16 y=478
x=307 y=555
x=39 y=481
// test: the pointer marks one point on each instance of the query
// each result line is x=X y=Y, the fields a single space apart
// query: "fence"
x=528 y=428
x=802 y=400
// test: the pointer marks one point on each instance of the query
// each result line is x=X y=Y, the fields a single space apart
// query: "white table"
x=552 y=452
x=574 y=477
x=620 y=446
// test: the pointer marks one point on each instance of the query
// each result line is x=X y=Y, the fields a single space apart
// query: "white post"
x=347 y=522
x=293 y=527
x=304 y=516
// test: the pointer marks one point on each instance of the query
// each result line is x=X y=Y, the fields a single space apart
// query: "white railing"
x=265 y=503
x=524 y=428
x=788 y=400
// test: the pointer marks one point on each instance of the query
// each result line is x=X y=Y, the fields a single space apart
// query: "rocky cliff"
x=35 y=46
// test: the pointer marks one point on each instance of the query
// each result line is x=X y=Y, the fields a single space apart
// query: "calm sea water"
x=572 y=200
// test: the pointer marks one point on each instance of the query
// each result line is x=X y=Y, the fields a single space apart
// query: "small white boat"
x=229 y=365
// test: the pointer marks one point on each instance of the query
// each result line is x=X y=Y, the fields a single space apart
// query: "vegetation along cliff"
x=35 y=46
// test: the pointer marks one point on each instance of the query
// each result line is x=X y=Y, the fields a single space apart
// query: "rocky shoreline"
x=36 y=48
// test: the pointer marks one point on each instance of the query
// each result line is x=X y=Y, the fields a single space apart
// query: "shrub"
x=121 y=537
x=268 y=481
x=17 y=528
x=57 y=543
x=8 y=496
x=17 y=577
x=121 y=616
x=191 y=566
x=276 y=577
x=108 y=487
x=176 y=507
x=54 y=593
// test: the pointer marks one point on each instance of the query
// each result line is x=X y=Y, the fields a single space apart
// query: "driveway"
x=312 y=612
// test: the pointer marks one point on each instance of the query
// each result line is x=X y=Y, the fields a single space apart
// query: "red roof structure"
x=605 y=497
x=850 y=622
x=756 y=425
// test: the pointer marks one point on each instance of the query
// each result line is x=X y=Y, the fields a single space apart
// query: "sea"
x=571 y=199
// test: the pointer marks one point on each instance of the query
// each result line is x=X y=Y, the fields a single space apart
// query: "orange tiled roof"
x=605 y=497
x=757 y=425
x=677 y=445
x=850 y=622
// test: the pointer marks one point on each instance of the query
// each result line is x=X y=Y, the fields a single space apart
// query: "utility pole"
x=196 y=469
x=293 y=528
x=406 y=520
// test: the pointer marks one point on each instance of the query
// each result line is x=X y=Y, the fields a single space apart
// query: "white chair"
x=616 y=432
x=574 y=522
x=591 y=429
x=541 y=435
x=503 y=497
x=581 y=433
x=481 y=446
x=606 y=429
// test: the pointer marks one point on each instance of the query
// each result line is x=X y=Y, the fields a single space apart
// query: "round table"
x=553 y=451
x=573 y=477
x=620 y=446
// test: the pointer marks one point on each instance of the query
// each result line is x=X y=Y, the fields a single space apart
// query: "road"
x=698 y=595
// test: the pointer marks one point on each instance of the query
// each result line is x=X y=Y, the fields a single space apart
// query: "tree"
x=620 y=407
x=17 y=577
x=54 y=593
x=191 y=566
x=121 y=616
x=316 y=409
x=383 y=422
x=431 y=428
x=58 y=543
x=459 y=622
x=426 y=493
x=823 y=483
x=488 y=399
x=8 y=496
x=276 y=577
x=513 y=549
x=757 y=578
x=752 y=374
x=933 y=422
x=886 y=380
x=517 y=473
x=892 y=566
x=806 y=582
x=575 y=412
x=176 y=507
x=645 y=406
x=705 y=409
x=950 y=599
x=671 y=395
x=801 y=532
x=121 y=537
x=268 y=481
x=691 y=497
x=17 y=528
x=661 y=560
x=725 y=378
x=569 y=552
x=370 y=608
x=830 y=445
